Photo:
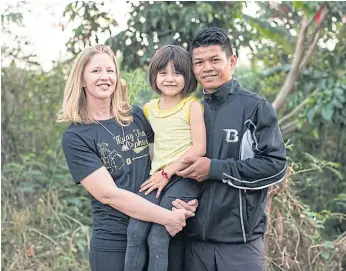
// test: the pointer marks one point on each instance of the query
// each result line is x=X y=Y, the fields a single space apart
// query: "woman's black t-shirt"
x=88 y=147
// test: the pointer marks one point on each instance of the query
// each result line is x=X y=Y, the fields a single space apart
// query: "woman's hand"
x=176 y=222
x=189 y=208
x=156 y=181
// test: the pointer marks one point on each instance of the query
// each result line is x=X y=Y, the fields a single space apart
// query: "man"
x=245 y=155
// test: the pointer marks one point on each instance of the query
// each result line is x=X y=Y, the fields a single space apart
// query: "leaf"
x=76 y=202
x=336 y=172
x=327 y=112
x=328 y=244
x=276 y=69
x=311 y=114
x=325 y=255
x=310 y=157
x=337 y=104
x=298 y=4
x=277 y=34
x=28 y=188
x=315 y=133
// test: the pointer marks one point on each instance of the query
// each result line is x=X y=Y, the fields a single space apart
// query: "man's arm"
x=267 y=165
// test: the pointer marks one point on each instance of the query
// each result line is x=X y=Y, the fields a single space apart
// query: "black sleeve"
x=138 y=113
x=267 y=165
x=80 y=158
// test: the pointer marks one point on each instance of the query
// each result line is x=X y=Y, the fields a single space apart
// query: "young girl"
x=106 y=149
x=178 y=124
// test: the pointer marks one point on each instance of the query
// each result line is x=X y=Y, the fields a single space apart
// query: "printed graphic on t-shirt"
x=133 y=141
x=112 y=160
x=136 y=141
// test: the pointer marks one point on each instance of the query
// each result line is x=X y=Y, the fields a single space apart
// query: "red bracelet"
x=164 y=174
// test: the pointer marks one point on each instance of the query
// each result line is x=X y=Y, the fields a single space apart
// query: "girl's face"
x=99 y=77
x=169 y=81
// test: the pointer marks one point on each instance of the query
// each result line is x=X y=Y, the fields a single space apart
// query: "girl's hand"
x=156 y=181
x=176 y=222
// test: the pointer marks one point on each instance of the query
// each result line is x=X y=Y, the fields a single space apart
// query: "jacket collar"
x=222 y=92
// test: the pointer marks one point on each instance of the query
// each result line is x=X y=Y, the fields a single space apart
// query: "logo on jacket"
x=231 y=135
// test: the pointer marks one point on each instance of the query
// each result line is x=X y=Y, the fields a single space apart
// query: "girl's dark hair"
x=213 y=36
x=181 y=61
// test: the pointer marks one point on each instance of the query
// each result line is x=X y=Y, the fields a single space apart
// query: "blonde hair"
x=74 y=107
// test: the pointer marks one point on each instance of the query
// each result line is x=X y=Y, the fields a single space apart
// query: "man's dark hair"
x=181 y=61
x=213 y=36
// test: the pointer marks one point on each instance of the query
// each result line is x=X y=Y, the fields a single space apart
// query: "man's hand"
x=189 y=207
x=156 y=181
x=198 y=169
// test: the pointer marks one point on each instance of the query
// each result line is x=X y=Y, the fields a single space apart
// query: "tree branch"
x=294 y=71
x=323 y=17
x=309 y=52
x=297 y=109
x=313 y=41
x=289 y=127
x=301 y=57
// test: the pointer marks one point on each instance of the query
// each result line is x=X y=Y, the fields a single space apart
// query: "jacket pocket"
x=255 y=205
x=246 y=213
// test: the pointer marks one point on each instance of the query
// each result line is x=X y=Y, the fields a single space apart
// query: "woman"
x=107 y=151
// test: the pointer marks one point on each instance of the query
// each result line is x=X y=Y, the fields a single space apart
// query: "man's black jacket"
x=247 y=155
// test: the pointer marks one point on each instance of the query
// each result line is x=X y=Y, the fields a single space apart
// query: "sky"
x=42 y=27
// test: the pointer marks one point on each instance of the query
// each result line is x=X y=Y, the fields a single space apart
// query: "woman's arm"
x=102 y=187
x=83 y=161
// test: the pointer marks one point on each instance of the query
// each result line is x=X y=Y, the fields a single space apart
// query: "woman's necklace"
x=124 y=147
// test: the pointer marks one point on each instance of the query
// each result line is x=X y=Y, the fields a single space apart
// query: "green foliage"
x=92 y=21
x=42 y=227
x=139 y=89
x=31 y=99
x=154 y=24
x=294 y=239
x=328 y=103
x=321 y=122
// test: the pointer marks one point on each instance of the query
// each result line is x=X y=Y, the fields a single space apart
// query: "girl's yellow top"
x=172 y=131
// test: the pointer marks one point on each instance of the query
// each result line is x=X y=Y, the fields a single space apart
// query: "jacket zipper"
x=211 y=190
x=241 y=215
x=241 y=211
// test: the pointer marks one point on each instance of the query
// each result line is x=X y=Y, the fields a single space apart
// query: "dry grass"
x=293 y=239
x=40 y=230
